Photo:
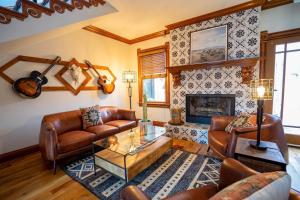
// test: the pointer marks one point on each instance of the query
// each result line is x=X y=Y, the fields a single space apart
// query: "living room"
x=149 y=99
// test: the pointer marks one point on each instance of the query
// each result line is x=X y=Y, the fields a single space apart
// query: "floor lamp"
x=129 y=77
x=261 y=90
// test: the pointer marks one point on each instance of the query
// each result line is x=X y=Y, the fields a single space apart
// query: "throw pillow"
x=91 y=116
x=241 y=121
x=267 y=186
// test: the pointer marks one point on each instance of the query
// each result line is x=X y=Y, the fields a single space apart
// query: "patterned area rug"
x=175 y=171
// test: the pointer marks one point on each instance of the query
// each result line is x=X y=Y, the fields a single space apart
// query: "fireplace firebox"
x=201 y=107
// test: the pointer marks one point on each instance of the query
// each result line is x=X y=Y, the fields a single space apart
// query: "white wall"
x=281 y=18
x=20 y=118
x=157 y=114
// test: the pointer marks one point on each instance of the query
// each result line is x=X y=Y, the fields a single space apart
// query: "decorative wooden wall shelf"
x=65 y=65
x=36 y=10
x=68 y=84
x=247 y=68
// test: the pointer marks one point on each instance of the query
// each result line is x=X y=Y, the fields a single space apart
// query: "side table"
x=262 y=161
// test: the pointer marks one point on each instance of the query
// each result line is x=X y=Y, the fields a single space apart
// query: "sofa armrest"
x=126 y=114
x=294 y=195
x=133 y=193
x=48 y=141
x=219 y=123
x=233 y=171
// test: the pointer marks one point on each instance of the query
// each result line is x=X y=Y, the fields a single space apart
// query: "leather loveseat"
x=231 y=172
x=61 y=134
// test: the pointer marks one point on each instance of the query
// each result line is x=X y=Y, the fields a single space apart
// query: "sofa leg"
x=54 y=167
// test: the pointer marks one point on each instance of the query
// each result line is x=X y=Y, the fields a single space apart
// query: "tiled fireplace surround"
x=243 y=42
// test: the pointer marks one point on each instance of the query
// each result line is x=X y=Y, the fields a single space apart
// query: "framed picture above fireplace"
x=209 y=45
x=201 y=107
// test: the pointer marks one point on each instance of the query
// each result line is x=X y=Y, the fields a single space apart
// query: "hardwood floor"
x=28 y=178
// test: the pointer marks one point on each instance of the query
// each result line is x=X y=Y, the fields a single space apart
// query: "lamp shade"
x=129 y=76
x=261 y=89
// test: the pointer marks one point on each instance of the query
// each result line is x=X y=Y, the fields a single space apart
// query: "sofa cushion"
x=91 y=116
x=219 y=141
x=268 y=186
x=122 y=124
x=74 y=140
x=103 y=131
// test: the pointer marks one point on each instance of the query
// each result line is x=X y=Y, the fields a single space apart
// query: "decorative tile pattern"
x=243 y=42
x=188 y=131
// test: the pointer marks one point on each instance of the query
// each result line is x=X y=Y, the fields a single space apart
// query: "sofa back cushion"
x=65 y=121
x=72 y=120
x=268 y=186
x=109 y=113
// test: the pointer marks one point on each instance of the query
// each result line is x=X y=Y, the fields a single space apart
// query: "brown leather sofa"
x=223 y=143
x=62 y=135
x=231 y=171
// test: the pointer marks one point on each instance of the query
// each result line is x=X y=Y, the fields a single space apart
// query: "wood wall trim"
x=149 y=36
x=265 y=37
x=265 y=4
x=105 y=33
x=18 y=153
x=62 y=63
x=246 y=63
x=226 y=11
x=282 y=34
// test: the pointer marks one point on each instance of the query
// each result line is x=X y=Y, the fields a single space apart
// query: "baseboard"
x=159 y=123
x=18 y=153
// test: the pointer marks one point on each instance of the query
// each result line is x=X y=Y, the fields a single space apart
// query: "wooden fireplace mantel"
x=247 y=68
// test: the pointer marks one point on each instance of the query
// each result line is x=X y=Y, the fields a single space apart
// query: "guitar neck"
x=50 y=67
x=91 y=66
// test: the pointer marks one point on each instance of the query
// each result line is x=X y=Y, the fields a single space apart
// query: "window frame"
x=149 y=51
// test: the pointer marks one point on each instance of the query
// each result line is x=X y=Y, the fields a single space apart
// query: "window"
x=154 y=76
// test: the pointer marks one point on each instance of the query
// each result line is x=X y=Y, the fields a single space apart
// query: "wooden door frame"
x=268 y=42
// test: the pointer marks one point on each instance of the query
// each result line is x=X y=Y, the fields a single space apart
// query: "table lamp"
x=261 y=90
x=129 y=77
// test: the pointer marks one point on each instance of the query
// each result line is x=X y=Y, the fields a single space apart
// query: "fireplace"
x=201 y=107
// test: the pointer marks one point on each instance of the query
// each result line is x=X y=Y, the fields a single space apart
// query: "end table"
x=262 y=161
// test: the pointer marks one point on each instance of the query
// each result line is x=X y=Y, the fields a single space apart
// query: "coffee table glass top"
x=131 y=141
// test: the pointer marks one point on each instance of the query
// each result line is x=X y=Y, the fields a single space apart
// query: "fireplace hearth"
x=201 y=107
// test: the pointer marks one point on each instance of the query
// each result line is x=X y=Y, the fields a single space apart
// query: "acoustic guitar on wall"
x=102 y=81
x=32 y=86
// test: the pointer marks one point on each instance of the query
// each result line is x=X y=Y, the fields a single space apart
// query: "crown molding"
x=105 y=33
x=264 y=4
x=219 y=13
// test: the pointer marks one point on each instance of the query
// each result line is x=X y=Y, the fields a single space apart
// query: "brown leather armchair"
x=231 y=172
x=62 y=135
x=223 y=143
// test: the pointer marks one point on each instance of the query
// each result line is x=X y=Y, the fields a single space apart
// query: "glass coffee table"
x=130 y=152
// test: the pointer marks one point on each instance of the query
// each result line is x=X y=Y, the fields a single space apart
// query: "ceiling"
x=135 y=18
